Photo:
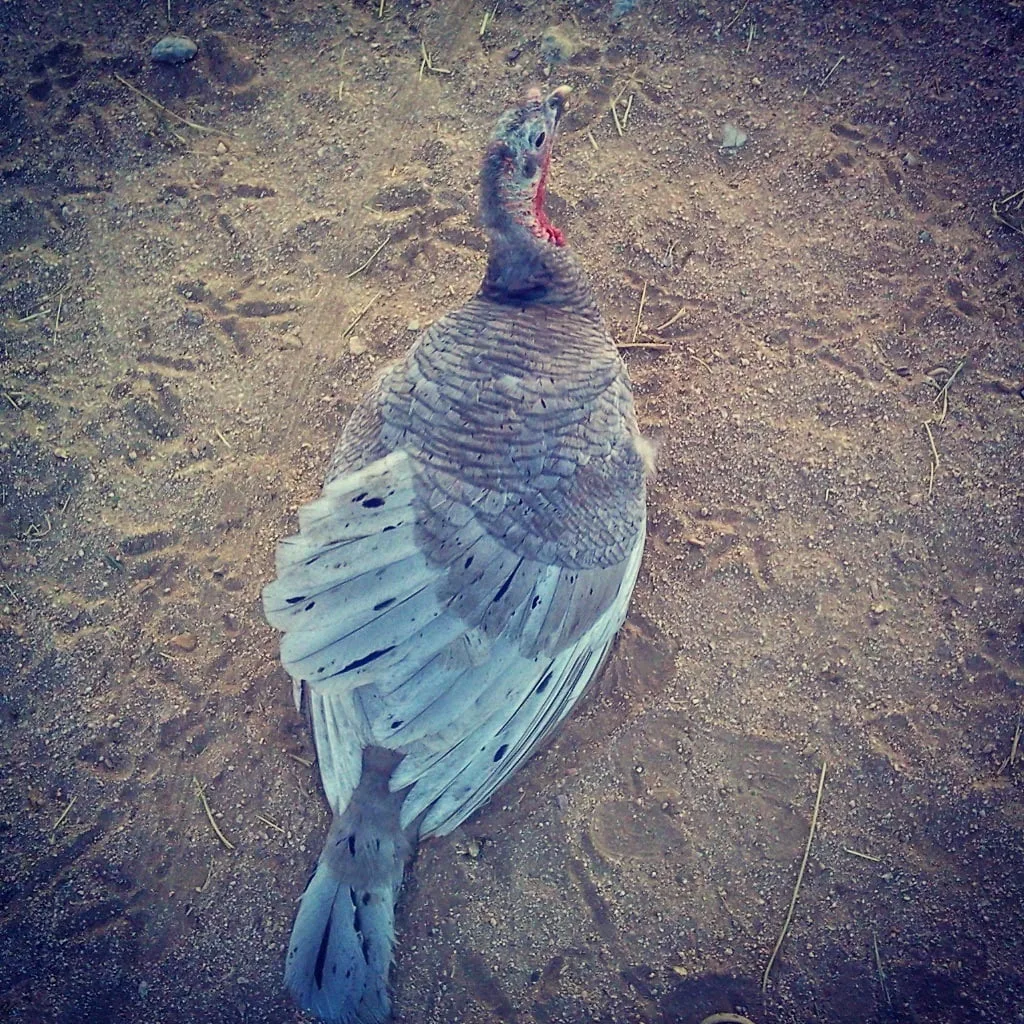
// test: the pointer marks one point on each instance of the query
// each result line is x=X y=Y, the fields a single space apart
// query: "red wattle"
x=543 y=227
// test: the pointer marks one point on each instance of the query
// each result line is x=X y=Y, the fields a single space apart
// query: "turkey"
x=464 y=572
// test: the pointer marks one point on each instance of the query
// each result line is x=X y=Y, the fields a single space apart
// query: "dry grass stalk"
x=799 y=880
x=201 y=793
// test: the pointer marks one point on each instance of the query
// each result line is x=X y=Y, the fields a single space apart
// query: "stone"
x=174 y=50
x=556 y=46
x=733 y=138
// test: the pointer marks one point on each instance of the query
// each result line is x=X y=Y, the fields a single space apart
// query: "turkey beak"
x=557 y=100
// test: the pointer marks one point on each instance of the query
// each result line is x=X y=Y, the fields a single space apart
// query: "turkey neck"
x=528 y=261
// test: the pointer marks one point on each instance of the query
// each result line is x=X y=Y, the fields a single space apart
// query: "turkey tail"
x=343 y=938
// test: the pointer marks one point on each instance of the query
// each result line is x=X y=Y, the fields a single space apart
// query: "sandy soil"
x=834 y=573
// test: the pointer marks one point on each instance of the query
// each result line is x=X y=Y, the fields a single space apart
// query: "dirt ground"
x=192 y=301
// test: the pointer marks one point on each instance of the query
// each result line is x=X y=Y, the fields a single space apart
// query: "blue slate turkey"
x=463 y=574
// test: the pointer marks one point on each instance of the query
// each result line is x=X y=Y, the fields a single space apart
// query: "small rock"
x=556 y=46
x=356 y=346
x=733 y=139
x=912 y=160
x=412 y=325
x=915 y=498
x=184 y=641
x=174 y=50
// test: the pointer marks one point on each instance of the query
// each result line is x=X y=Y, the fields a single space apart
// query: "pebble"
x=556 y=46
x=733 y=138
x=184 y=641
x=174 y=50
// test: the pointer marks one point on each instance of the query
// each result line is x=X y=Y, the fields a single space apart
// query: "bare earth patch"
x=829 y=357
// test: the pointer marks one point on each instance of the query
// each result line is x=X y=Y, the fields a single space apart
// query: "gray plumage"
x=464 y=572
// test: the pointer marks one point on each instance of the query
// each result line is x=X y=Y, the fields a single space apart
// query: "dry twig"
x=369 y=260
x=625 y=113
x=863 y=856
x=639 y=314
x=359 y=316
x=615 y=118
x=799 y=880
x=1011 y=758
x=206 y=884
x=67 y=810
x=427 y=62
x=1010 y=204
x=739 y=14
x=201 y=793
x=170 y=113
x=489 y=17
x=943 y=395
x=934 y=464
x=671 y=320
x=56 y=322
x=726 y=1018
x=832 y=71
x=878 y=967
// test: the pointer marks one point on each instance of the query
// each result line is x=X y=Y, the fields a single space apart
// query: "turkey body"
x=451 y=593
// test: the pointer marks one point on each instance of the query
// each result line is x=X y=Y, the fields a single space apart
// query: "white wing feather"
x=413 y=629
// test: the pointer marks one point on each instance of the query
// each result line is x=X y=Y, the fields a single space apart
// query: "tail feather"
x=342 y=942
x=341 y=950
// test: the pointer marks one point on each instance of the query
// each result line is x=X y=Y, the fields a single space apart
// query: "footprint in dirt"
x=60 y=66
